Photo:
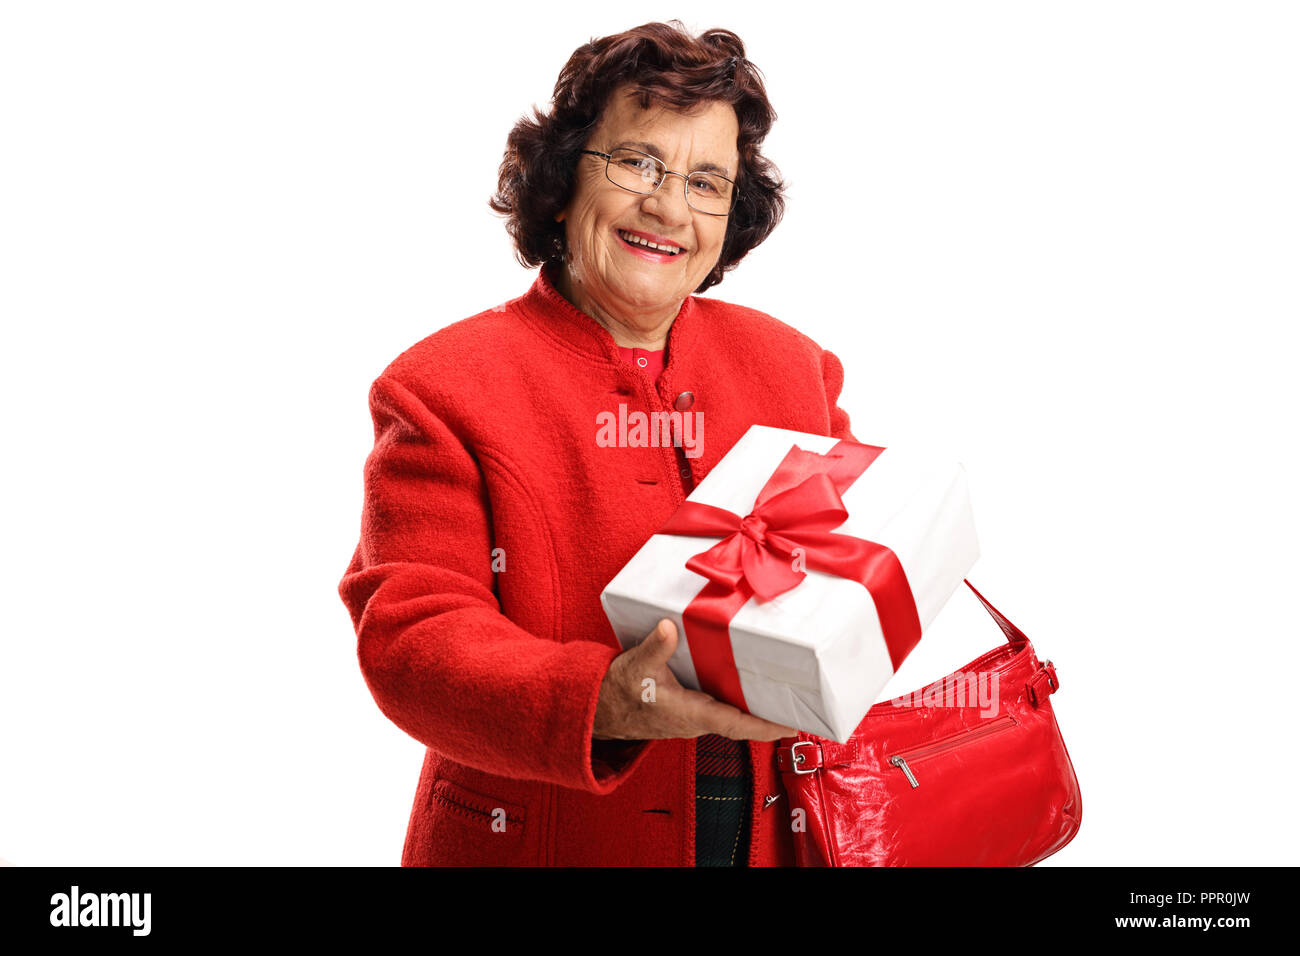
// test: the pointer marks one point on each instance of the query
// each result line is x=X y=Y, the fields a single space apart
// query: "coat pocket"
x=493 y=817
x=452 y=825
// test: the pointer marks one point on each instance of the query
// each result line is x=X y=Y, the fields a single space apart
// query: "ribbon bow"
x=761 y=547
x=794 y=512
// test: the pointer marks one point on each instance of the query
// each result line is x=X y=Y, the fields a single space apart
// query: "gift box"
x=800 y=573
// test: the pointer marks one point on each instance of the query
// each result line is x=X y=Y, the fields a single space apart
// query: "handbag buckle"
x=797 y=759
x=1046 y=674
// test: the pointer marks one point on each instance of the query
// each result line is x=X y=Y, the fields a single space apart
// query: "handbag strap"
x=1044 y=682
x=1013 y=633
x=800 y=756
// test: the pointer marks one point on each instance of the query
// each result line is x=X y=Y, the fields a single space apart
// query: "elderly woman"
x=494 y=514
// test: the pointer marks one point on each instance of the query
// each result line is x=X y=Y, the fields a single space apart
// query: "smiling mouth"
x=640 y=243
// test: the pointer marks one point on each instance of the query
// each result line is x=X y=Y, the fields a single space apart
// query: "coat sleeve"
x=439 y=657
x=833 y=377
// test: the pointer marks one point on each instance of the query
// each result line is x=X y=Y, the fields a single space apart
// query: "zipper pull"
x=901 y=764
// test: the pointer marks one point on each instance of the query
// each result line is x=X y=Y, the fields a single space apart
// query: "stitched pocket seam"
x=462 y=802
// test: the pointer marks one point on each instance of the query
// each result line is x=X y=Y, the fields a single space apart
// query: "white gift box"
x=814 y=657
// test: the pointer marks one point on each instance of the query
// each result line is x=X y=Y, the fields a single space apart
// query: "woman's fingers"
x=656 y=705
x=716 y=717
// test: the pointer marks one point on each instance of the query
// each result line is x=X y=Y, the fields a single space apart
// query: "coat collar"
x=558 y=318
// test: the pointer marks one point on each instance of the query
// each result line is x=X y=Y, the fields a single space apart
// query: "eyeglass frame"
x=686 y=181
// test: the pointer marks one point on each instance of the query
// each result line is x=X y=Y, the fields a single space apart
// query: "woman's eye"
x=703 y=186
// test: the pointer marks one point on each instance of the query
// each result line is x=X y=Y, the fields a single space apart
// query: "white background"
x=1058 y=238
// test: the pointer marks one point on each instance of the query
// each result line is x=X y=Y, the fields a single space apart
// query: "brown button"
x=684 y=401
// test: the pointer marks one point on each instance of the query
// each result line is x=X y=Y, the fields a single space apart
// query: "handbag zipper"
x=899 y=760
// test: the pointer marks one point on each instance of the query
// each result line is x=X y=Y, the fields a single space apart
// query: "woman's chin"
x=646 y=288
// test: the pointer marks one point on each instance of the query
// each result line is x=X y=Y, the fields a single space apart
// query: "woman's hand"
x=632 y=708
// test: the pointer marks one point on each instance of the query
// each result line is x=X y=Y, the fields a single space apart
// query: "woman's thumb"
x=661 y=642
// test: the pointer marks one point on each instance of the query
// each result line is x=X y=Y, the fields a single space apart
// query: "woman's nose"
x=668 y=202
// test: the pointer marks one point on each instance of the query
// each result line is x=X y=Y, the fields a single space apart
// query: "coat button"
x=684 y=401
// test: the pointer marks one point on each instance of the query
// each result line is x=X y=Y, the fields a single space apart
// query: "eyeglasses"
x=640 y=172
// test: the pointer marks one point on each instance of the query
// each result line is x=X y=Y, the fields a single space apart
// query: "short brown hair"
x=665 y=65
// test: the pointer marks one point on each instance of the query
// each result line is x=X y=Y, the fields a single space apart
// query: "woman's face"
x=612 y=279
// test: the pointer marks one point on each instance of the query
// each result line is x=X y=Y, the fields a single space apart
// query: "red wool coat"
x=486 y=457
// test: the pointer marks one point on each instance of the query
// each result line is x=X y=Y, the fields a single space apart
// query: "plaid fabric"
x=722 y=788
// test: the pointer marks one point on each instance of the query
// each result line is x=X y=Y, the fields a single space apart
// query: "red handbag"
x=955 y=777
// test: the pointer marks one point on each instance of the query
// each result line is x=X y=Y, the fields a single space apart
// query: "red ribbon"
x=796 y=509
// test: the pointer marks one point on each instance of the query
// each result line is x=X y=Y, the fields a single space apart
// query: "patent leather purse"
x=949 y=775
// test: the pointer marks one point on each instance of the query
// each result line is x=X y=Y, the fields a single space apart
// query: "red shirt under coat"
x=491 y=521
